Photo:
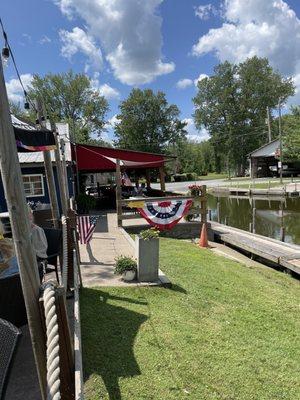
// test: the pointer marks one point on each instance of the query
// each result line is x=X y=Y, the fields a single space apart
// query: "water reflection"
x=271 y=214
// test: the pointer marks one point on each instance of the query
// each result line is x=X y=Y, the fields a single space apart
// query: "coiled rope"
x=53 y=368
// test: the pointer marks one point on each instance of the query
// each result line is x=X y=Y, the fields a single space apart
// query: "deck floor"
x=98 y=257
x=284 y=254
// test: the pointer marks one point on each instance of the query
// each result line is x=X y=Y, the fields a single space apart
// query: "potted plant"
x=126 y=266
x=195 y=190
x=147 y=248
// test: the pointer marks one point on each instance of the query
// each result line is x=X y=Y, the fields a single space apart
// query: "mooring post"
x=209 y=215
x=253 y=220
x=218 y=211
x=19 y=220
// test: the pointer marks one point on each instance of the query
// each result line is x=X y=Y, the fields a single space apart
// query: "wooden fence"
x=199 y=206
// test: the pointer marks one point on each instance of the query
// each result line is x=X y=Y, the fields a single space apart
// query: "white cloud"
x=184 y=83
x=204 y=12
x=109 y=92
x=44 y=39
x=200 y=77
x=79 y=41
x=105 y=90
x=113 y=121
x=109 y=126
x=193 y=133
x=129 y=33
x=14 y=88
x=256 y=27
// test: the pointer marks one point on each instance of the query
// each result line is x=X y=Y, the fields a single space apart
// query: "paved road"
x=182 y=187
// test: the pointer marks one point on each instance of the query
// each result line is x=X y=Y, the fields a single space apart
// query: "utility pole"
x=280 y=139
x=269 y=125
x=19 y=220
x=49 y=171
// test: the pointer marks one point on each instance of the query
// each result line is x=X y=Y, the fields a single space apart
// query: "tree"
x=291 y=135
x=147 y=122
x=231 y=105
x=69 y=97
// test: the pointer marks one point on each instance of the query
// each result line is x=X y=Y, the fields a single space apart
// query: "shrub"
x=180 y=177
x=124 y=264
x=85 y=202
x=149 y=234
x=191 y=176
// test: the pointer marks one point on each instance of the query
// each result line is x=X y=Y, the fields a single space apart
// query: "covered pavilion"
x=94 y=159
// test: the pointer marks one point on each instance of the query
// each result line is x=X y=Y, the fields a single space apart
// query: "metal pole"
x=18 y=213
x=269 y=125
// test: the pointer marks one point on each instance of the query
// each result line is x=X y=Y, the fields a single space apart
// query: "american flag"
x=86 y=226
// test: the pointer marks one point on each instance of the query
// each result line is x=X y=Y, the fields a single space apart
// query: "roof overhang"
x=104 y=159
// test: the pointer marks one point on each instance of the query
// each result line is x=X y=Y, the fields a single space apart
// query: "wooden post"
x=66 y=349
x=218 y=211
x=49 y=172
x=118 y=193
x=148 y=178
x=209 y=215
x=18 y=212
x=203 y=204
x=253 y=220
x=64 y=170
x=59 y=171
x=162 y=179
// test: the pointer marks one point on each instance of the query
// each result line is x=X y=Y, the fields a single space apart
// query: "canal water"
x=270 y=215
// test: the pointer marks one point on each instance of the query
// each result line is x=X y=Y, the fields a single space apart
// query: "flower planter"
x=147 y=254
x=128 y=276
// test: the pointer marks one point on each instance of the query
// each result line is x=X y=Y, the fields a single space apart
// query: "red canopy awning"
x=101 y=159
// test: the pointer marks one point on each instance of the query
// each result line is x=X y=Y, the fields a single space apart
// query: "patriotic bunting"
x=165 y=214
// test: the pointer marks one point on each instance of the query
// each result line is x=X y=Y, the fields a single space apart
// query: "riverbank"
x=223 y=331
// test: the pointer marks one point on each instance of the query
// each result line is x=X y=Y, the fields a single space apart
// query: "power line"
x=15 y=64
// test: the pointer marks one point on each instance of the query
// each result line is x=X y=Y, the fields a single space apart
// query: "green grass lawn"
x=211 y=176
x=224 y=331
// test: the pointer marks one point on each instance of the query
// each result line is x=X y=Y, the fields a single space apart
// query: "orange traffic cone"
x=203 y=242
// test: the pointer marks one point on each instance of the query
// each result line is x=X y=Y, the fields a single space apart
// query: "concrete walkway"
x=98 y=258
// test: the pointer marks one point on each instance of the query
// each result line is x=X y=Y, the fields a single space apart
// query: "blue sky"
x=162 y=44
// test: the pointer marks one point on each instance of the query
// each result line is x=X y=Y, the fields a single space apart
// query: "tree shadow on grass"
x=108 y=334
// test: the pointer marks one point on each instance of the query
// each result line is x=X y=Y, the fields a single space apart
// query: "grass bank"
x=224 y=331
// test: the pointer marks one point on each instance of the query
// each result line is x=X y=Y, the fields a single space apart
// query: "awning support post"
x=19 y=219
x=148 y=178
x=162 y=179
x=118 y=193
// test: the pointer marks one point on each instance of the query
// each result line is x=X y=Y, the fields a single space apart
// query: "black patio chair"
x=9 y=337
x=12 y=305
x=54 y=239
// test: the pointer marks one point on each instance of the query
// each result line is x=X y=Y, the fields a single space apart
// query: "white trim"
x=42 y=184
